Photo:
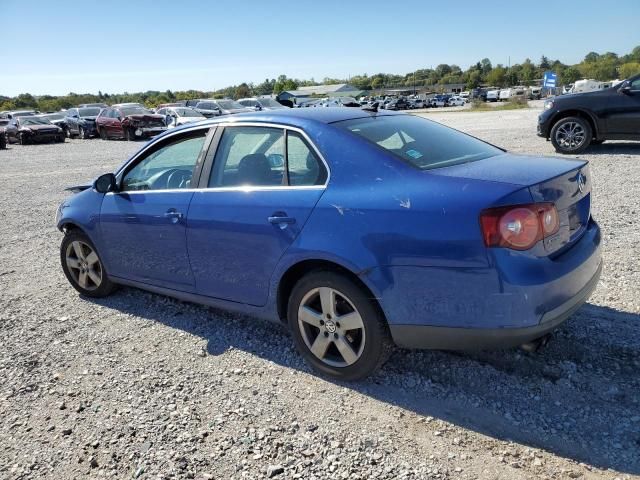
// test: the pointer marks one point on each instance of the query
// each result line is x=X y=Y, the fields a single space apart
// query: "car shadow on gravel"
x=577 y=398
x=615 y=148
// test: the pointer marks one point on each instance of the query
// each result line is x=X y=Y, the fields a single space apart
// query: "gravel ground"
x=141 y=386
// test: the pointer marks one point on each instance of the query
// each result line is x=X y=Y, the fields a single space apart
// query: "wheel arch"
x=298 y=270
x=576 y=112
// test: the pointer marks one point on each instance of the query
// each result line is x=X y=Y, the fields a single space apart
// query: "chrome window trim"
x=246 y=188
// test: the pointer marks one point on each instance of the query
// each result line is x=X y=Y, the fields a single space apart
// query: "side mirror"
x=105 y=183
x=626 y=89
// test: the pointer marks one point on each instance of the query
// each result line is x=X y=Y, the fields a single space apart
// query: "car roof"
x=299 y=116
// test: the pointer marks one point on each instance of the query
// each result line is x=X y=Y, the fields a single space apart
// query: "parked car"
x=437 y=102
x=96 y=105
x=261 y=103
x=456 y=101
x=57 y=118
x=3 y=134
x=81 y=122
x=398 y=104
x=173 y=104
x=465 y=96
x=20 y=113
x=493 y=251
x=575 y=121
x=176 y=116
x=129 y=122
x=32 y=129
x=534 y=93
x=208 y=108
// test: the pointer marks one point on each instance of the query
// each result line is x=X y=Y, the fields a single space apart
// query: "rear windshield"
x=89 y=112
x=418 y=141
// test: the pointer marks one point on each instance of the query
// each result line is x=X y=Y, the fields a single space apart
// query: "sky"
x=113 y=46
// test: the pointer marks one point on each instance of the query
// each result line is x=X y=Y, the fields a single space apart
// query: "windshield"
x=54 y=116
x=187 y=112
x=33 y=121
x=229 y=104
x=126 y=111
x=207 y=106
x=270 y=103
x=420 y=142
x=89 y=112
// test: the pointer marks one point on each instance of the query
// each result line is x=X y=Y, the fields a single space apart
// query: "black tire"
x=563 y=142
x=82 y=133
x=3 y=141
x=372 y=340
x=130 y=134
x=103 y=134
x=60 y=138
x=23 y=139
x=91 y=289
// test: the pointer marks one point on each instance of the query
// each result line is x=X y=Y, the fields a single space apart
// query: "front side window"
x=420 y=142
x=249 y=156
x=635 y=84
x=167 y=168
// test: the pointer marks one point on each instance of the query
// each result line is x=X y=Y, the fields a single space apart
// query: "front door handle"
x=281 y=219
x=173 y=215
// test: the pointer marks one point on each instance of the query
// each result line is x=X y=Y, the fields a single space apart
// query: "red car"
x=129 y=122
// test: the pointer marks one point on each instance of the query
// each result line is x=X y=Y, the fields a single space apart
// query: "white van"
x=493 y=95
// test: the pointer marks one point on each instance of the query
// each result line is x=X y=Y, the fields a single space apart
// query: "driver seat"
x=254 y=169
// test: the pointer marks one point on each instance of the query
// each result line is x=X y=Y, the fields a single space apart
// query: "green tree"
x=569 y=75
x=629 y=69
x=497 y=76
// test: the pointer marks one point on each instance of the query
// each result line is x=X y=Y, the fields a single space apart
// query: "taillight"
x=519 y=227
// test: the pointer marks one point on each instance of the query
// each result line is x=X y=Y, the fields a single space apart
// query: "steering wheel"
x=177 y=178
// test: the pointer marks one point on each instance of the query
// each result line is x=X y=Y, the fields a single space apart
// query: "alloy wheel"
x=331 y=327
x=84 y=265
x=570 y=135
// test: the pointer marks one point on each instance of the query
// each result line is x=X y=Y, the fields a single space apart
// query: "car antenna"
x=371 y=108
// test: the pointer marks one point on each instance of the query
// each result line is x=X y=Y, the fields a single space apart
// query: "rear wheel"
x=336 y=327
x=571 y=135
x=82 y=266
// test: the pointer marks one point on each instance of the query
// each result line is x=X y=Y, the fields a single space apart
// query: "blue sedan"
x=359 y=229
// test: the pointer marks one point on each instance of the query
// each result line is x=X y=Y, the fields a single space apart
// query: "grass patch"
x=513 y=104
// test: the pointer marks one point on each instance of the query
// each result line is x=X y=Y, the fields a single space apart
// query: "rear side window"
x=305 y=168
x=419 y=142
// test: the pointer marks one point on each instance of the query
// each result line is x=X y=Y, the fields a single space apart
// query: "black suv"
x=573 y=122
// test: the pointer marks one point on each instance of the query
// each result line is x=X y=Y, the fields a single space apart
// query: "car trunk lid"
x=564 y=182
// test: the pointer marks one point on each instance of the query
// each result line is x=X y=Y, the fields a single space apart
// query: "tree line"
x=607 y=66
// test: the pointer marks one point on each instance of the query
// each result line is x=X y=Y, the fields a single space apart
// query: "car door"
x=624 y=110
x=143 y=224
x=262 y=185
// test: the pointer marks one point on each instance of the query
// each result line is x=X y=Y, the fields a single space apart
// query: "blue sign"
x=549 y=80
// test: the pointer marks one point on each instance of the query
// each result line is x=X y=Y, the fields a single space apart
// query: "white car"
x=456 y=101
x=176 y=116
x=437 y=102
x=505 y=94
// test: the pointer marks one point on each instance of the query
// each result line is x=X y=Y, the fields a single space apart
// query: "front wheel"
x=130 y=134
x=82 y=133
x=82 y=266
x=571 y=135
x=336 y=326
x=24 y=140
x=103 y=133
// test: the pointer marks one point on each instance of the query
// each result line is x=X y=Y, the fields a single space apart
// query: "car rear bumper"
x=447 y=338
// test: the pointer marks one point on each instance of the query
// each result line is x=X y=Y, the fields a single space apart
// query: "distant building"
x=336 y=90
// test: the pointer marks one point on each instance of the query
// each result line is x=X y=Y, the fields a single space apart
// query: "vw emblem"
x=330 y=326
x=582 y=181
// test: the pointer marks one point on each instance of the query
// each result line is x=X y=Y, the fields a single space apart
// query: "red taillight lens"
x=518 y=227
